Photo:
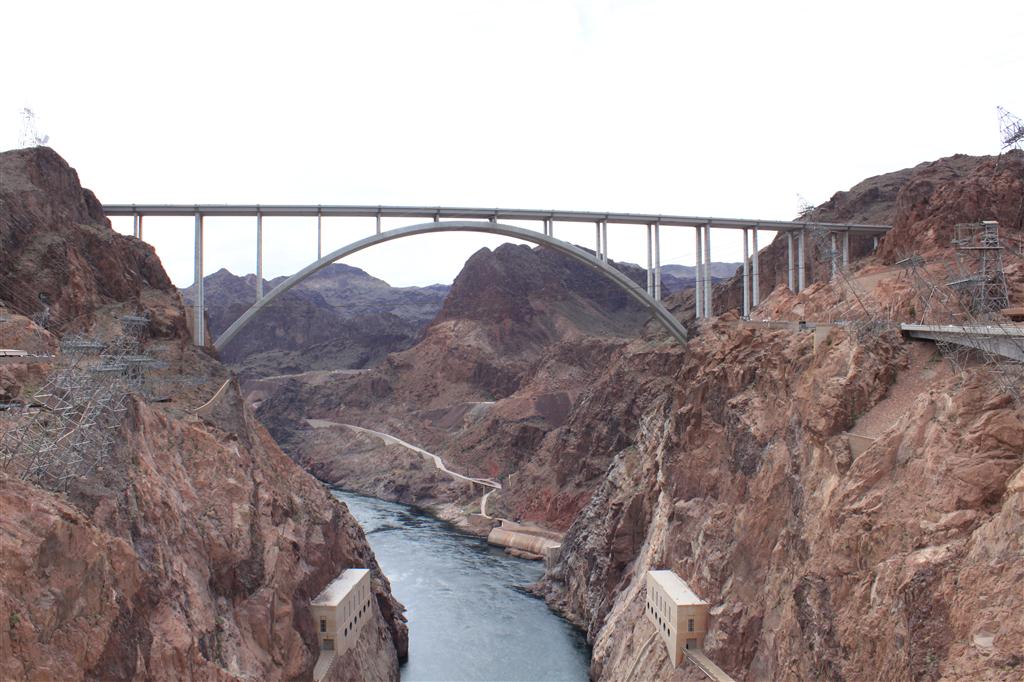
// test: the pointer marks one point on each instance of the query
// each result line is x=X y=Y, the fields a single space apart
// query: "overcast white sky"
x=699 y=108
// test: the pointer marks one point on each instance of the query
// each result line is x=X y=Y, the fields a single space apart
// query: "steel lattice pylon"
x=69 y=425
x=943 y=299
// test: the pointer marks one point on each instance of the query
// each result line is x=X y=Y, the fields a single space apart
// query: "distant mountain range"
x=340 y=317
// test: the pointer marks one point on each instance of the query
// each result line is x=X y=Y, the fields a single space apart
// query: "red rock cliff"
x=195 y=547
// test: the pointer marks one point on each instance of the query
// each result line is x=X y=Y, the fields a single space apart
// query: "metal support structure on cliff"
x=789 y=258
x=199 y=305
x=755 y=297
x=259 y=256
x=800 y=239
x=657 y=261
x=698 y=280
x=707 y=270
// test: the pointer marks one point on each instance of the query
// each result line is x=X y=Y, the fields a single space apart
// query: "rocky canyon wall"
x=194 y=547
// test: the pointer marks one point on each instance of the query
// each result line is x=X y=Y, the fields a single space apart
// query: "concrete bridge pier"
x=698 y=279
x=746 y=277
x=846 y=249
x=199 y=305
x=657 y=261
x=707 y=270
x=137 y=226
x=800 y=261
x=319 y=233
x=755 y=295
x=650 y=260
x=791 y=271
x=259 y=256
x=833 y=254
x=604 y=239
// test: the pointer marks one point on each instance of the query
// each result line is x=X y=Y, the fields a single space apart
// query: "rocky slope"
x=898 y=562
x=339 y=318
x=193 y=548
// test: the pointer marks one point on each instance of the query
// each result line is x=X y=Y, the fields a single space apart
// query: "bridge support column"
x=846 y=249
x=834 y=255
x=746 y=276
x=698 y=279
x=874 y=243
x=604 y=239
x=135 y=225
x=755 y=295
x=650 y=261
x=800 y=261
x=319 y=233
x=657 y=261
x=790 y=272
x=259 y=256
x=707 y=271
x=199 y=304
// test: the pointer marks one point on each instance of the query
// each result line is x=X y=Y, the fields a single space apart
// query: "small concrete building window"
x=323 y=625
x=689 y=625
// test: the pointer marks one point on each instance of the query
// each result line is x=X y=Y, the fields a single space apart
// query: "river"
x=467 y=619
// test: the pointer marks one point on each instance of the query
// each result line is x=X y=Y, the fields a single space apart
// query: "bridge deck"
x=458 y=213
x=1005 y=340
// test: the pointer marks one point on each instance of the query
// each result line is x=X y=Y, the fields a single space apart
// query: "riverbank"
x=523 y=540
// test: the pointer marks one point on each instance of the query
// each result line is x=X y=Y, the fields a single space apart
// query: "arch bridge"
x=483 y=220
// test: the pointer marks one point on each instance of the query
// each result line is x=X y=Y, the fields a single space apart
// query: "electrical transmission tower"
x=69 y=425
x=968 y=298
x=30 y=137
x=979 y=256
x=1011 y=130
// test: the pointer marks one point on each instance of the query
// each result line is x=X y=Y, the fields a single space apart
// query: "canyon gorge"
x=849 y=503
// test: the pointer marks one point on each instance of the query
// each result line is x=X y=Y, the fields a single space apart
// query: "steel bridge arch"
x=660 y=313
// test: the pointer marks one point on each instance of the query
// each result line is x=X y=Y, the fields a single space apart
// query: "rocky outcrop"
x=193 y=550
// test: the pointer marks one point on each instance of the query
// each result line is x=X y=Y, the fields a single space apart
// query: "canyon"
x=727 y=460
x=849 y=503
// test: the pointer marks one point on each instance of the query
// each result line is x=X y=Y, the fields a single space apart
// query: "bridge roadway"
x=548 y=218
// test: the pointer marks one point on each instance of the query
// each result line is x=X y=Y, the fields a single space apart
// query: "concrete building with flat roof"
x=680 y=616
x=341 y=610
